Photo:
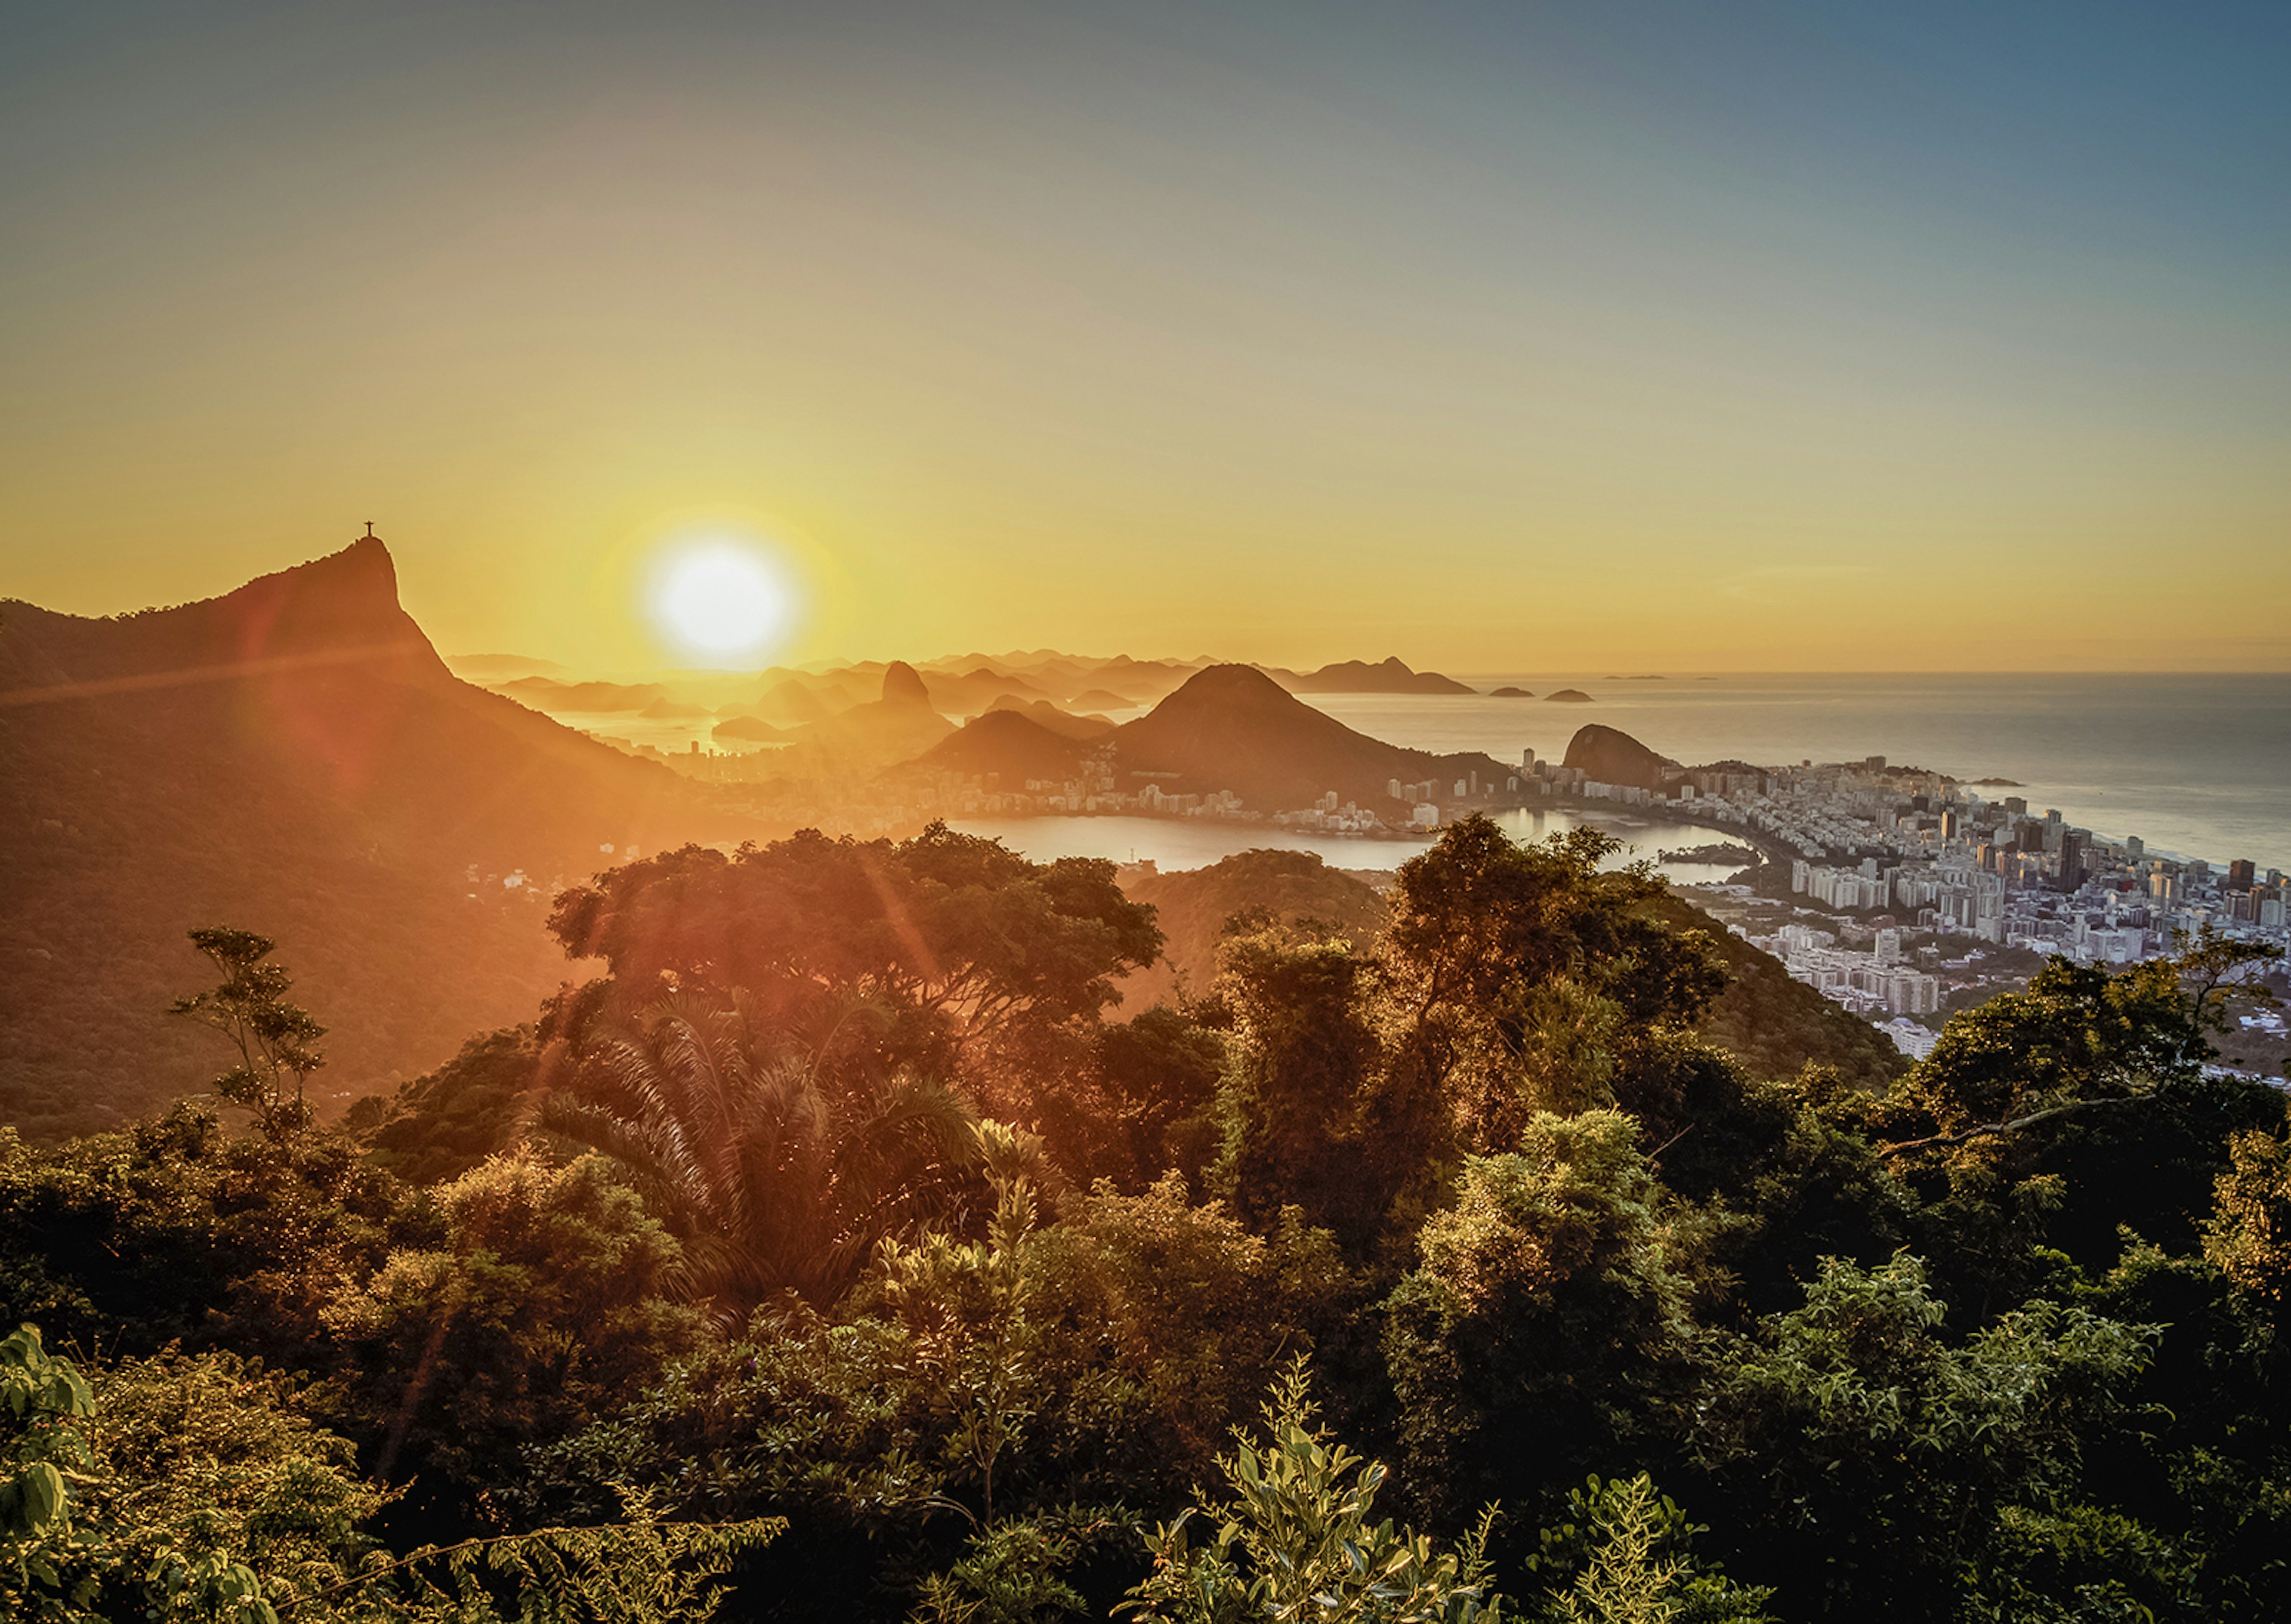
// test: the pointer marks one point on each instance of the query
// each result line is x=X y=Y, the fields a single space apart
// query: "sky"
x=1500 y=337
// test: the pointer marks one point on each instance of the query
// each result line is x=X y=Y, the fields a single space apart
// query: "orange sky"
x=1502 y=343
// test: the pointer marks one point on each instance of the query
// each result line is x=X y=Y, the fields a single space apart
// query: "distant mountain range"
x=1228 y=727
x=968 y=684
x=1358 y=677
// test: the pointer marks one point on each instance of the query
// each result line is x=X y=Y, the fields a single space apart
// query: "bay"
x=2197 y=765
x=1177 y=843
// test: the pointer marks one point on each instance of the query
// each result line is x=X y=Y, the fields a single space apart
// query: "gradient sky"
x=1501 y=337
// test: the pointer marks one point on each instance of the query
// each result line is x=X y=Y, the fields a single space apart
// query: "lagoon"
x=1177 y=843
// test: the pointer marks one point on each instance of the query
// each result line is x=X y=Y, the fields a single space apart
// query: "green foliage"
x=276 y=1041
x=1875 y=1460
x=1545 y=1316
x=972 y=1342
x=193 y=1493
x=641 y=1570
x=955 y=941
x=776 y=1177
x=2091 y=1085
x=175 y=1230
x=1295 y=1541
x=1525 y=1224
x=1623 y=1555
x=543 y=1302
x=44 y=1400
x=2248 y=1238
x=440 y=1125
x=1160 y=1324
x=1155 y=1103
x=1014 y=1571
x=1304 y=1126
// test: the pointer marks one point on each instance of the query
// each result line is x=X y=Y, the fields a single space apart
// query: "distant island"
x=1388 y=676
x=1509 y=692
x=1996 y=783
x=1654 y=677
x=1571 y=696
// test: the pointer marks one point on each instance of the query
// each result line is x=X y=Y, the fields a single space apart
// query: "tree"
x=1519 y=973
x=1624 y=1555
x=2077 y=1039
x=1295 y=1542
x=192 y=1492
x=966 y=1308
x=1305 y=1127
x=957 y=945
x=542 y=1299
x=774 y=1177
x=1544 y=1317
x=1860 y=1453
x=1160 y=1324
x=276 y=1041
x=2248 y=1238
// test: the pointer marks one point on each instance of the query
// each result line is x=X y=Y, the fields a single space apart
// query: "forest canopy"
x=845 y=1250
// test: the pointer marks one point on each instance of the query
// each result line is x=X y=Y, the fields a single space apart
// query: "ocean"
x=1173 y=843
x=2196 y=766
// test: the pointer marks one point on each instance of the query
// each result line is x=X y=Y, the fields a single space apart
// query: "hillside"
x=1234 y=727
x=1007 y=742
x=1775 y=1023
x=295 y=759
x=1608 y=755
x=1192 y=907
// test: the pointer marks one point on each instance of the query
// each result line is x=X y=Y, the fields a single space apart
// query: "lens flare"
x=722 y=602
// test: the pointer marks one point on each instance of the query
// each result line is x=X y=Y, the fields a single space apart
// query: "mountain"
x=1234 y=727
x=1776 y=1025
x=482 y=668
x=749 y=730
x=1049 y=716
x=1359 y=677
x=896 y=727
x=1007 y=742
x=967 y=693
x=1193 y=905
x=546 y=694
x=292 y=758
x=1608 y=755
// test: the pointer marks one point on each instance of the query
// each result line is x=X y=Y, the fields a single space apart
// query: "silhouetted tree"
x=276 y=1041
x=773 y=1180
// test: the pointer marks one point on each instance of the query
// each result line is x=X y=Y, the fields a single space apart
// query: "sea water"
x=1175 y=843
x=2195 y=765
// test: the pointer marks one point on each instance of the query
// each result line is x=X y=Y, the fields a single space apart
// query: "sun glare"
x=721 y=602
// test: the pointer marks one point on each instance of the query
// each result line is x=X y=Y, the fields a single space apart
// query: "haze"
x=1772 y=337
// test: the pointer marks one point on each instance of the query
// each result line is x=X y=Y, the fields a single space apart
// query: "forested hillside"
x=832 y=1254
x=1774 y=1024
x=294 y=752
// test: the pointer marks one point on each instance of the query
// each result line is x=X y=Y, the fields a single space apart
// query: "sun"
x=721 y=602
